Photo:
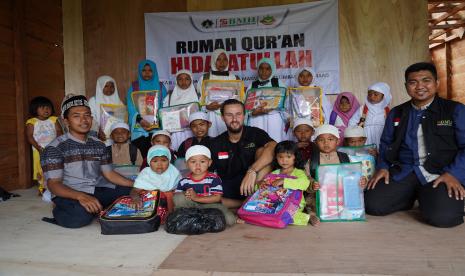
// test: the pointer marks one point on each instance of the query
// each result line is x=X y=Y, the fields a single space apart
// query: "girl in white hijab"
x=273 y=122
x=183 y=93
x=219 y=71
x=373 y=113
x=106 y=92
x=306 y=77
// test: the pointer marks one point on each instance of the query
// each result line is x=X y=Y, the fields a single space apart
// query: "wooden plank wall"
x=457 y=69
x=378 y=38
x=31 y=62
x=114 y=38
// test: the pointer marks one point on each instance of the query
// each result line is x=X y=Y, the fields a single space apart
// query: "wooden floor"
x=395 y=245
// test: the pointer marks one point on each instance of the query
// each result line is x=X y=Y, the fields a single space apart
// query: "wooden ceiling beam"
x=447 y=26
x=453 y=11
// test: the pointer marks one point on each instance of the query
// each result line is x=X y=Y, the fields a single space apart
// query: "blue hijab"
x=151 y=84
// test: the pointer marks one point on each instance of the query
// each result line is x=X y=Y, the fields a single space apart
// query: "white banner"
x=296 y=36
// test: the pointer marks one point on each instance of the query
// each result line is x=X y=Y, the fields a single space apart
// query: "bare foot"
x=240 y=221
x=314 y=220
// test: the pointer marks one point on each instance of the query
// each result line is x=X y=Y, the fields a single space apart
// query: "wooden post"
x=448 y=71
x=24 y=166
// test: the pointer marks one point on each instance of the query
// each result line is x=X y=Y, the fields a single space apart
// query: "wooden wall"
x=378 y=38
x=456 y=77
x=31 y=64
x=114 y=38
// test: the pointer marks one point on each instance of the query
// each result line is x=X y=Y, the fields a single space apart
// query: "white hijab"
x=179 y=95
x=378 y=108
x=215 y=56
x=308 y=69
x=101 y=98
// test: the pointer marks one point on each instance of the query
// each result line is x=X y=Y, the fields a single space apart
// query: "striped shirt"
x=209 y=185
x=77 y=163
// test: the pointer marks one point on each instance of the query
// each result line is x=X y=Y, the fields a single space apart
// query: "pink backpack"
x=271 y=207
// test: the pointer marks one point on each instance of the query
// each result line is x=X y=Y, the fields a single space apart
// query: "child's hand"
x=363 y=182
x=316 y=186
x=101 y=135
x=136 y=200
x=262 y=184
x=145 y=124
x=191 y=194
x=213 y=106
x=302 y=144
x=278 y=182
x=373 y=152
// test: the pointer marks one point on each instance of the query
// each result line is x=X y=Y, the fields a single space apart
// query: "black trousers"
x=143 y=144
x=70 y=214
x=436 y=207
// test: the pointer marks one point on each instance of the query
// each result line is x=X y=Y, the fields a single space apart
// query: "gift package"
x=146 y=103
x=271 y=98
x=305 y=102
x=221 y=90
x=110 y=114
x=340 y=197
x=362 y=154
x=176 y=118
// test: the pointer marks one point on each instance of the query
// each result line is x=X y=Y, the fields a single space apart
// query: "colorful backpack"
x=271 y=207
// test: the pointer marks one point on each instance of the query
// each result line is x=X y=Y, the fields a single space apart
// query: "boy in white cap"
x=355 y=136
x=201 y=188
x=327 y=140
x=122 y=151
x=199 y=125
x=303 y=132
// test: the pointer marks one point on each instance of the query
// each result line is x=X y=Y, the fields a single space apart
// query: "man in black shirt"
x=241 y=155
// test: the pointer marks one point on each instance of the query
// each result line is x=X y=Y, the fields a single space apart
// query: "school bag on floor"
x=122 y=218
x=271 y=207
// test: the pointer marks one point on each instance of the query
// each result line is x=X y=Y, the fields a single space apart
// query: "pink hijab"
x=355 y=105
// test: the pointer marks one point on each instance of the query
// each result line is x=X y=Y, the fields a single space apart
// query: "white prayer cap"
x=161 y=132
x=198 y=150
x=302 y=121
x=119 y=125
x=327 y=129
x=198 y=116
x=354 y=132
x=380 y=87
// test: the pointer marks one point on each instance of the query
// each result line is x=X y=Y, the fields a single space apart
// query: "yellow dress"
x=44 y=133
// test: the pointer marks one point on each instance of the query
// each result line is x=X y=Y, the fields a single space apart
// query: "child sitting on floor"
x=160 y=175
x=288 y=161
x=122 y=151
x=327 y=139
x=199 y=125
x=201 y=189
x=162 y=138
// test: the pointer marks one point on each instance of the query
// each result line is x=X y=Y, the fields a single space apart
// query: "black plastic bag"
x=194 y=221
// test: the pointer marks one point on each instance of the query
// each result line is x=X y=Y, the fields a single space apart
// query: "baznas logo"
x=207 y=23
x=268 y=20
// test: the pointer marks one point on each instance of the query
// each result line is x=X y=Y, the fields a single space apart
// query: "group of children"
x=347 y=123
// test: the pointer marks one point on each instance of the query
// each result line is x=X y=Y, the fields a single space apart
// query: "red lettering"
x=308 y=58
x=233 y=66
x=277 y=60
x=187 y=63
x=176 y=65
x=243 y=59
x=207 y=66
x=291 y=61
x=197 y=64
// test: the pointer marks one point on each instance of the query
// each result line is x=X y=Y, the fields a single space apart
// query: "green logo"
x=268 y=20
